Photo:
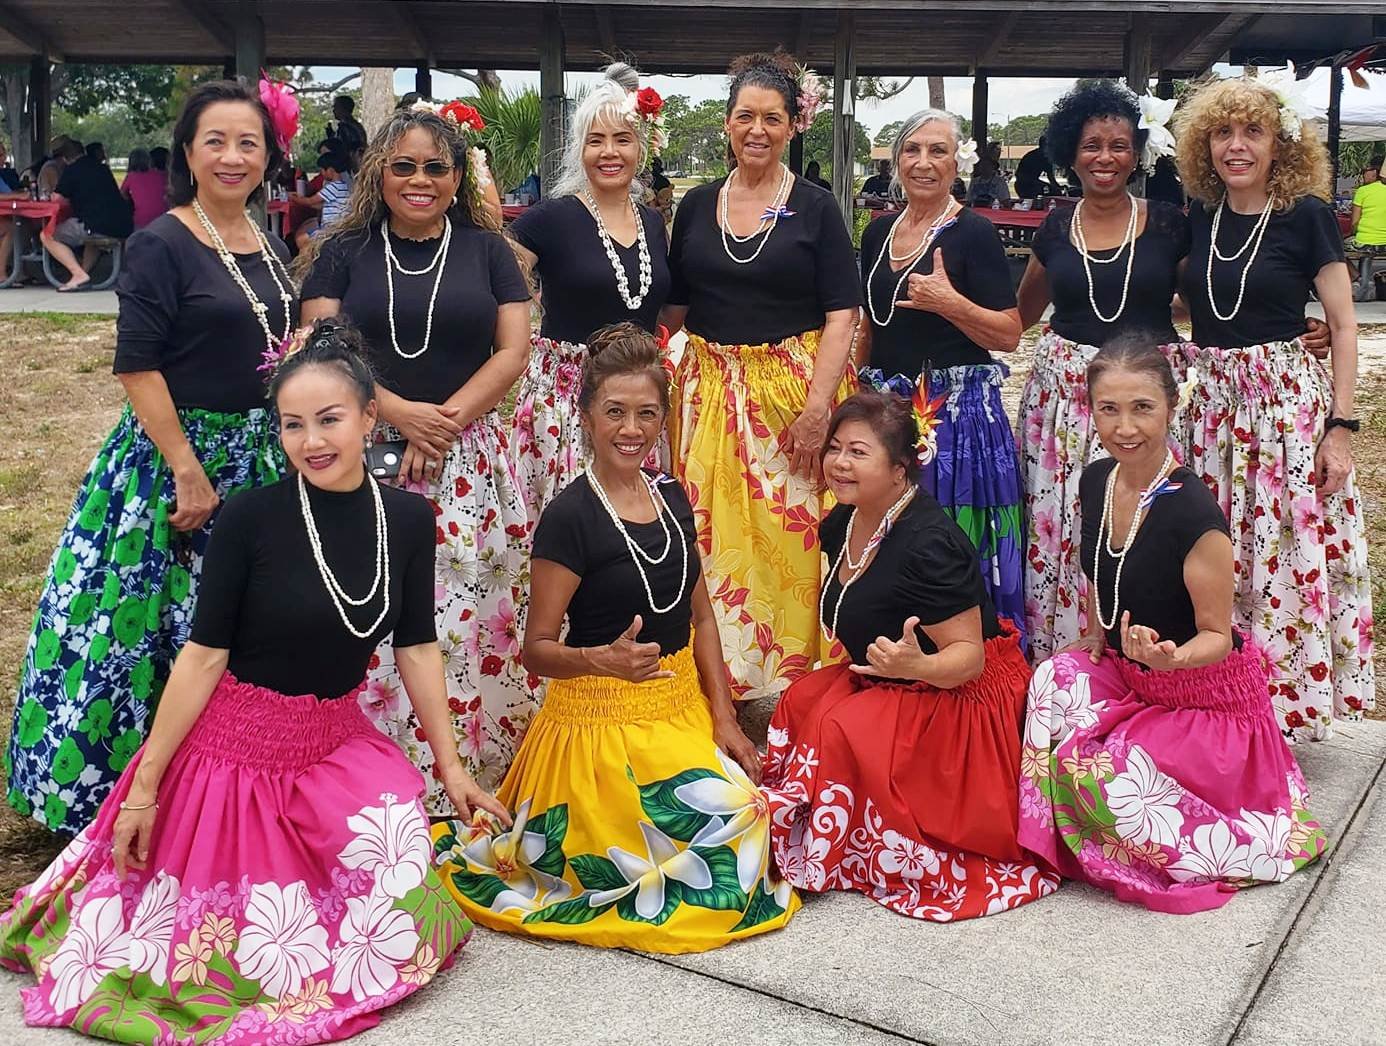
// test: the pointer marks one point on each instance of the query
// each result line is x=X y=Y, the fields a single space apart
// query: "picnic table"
x=47 y=211
x=276 y=211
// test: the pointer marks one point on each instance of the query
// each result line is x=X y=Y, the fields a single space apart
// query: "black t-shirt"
x=925 y=567
x=1028 y=181
x=182 y=314
x=10 y=180
x=576 y=532
x=96 y=201
x=480 y=274
x=806 y=269
x=1152 y=578
x=351 y=133
x=262 y=597
x=877 y=185
x=1154 y=277
x=975 y=262
x=577 y=284
x=1297 y=244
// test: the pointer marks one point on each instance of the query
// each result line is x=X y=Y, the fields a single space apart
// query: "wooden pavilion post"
x=250 y=42
x=1335 y=120
x=979 y=111
x=551 y=96
x=40 y=108
x=844 y=113
x=423 y=82
x=1136 y=59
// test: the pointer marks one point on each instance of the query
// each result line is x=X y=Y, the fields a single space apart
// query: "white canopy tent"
x=1363 y=111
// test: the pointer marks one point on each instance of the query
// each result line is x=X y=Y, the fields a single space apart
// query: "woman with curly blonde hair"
x=419 y=266
x=1268 y=429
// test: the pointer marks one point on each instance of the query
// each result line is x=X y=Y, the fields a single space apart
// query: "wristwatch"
x=1351 y=424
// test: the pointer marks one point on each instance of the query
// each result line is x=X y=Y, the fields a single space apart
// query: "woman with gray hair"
x=939 y=301
x=601 y=258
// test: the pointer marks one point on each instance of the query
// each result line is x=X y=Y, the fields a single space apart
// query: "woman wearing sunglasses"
x=418 y=265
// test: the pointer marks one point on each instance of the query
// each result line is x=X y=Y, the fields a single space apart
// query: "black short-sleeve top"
x=182 y=314
x=261 y=596
x=1159 y=248
x=480 y=274
x=805 y=270
x=1298 y=242
x=976 y=264
x=1152 y=578
x=925 y=567
x=576 y=532
x=577 y=285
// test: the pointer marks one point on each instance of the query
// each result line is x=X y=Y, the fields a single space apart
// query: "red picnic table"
x=511 y=211
x=50 y=212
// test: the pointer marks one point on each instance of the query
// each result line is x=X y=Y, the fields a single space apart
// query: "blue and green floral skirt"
x=117 y=606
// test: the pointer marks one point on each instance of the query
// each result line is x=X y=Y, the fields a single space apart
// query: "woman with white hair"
x=939 y=301
x=601 y=258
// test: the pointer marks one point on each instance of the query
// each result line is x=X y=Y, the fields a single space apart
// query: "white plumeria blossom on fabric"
x=510 y=857
x=663 y=861
x=1295 y=104
x=1145 y=802
x=1159 y=141
x=966 y=157
x=282 y=942
x=745 y=810
x=151 y=927
x=95 y=946
x=377 y=939
x=391 y=843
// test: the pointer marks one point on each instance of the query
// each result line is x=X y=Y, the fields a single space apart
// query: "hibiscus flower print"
x=1308 y=516
x=94 y=947
x=391 y=843
x=905 y=857
x=1212 y=853
x=282 y=942
x=1145 y=801
x=151 y=927
x=377 y=939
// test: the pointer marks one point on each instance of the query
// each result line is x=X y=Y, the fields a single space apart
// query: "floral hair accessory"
x=463 y=115
x=646 y=107
x=1295 y=103
x=278 y=98
x=1155 y=114
x=272 y=359
x=480 y=165
x=926 y=417
x=966 y=157
x=813 y=94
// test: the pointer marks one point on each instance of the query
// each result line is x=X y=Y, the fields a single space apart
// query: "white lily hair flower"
x=1295 y=104
x=966 y=157
x=1155 y=115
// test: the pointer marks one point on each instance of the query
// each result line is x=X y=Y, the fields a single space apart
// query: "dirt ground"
x=60 y=400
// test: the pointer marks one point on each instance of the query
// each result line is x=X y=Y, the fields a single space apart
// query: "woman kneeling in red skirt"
x=894 y=774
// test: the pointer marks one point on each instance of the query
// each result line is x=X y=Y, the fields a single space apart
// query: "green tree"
x=818 y=143
x=697 y=136
x=1023 y=130
x=886 y=135
x=144 y=90
x=513 y=121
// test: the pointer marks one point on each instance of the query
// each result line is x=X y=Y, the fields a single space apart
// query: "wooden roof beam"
x=28 y=34
x=423 y=43
x=991 y=47
x=210 y=23
x=606 y=30
x=1199 y=31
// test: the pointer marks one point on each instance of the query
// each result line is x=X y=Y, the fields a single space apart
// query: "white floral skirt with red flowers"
x=482 y=595
x=546 y=428
x=1303 y=590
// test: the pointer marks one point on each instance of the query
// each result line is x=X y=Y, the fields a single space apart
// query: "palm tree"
x=513 y=120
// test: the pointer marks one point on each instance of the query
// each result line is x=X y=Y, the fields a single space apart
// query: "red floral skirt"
x=905 y=792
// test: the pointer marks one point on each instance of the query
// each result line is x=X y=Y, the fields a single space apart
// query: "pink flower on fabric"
x=1047 y=530
x=1270 y=475
x=94 y=947
x=1309 y=518
x=1315 y=607
x=391 y=843
x=1034 y=427
x=504 y=629
x=377 y=939
x=1306 y=420
x=1365 y=624
x=379 y=700
x=474 y=727
x=1049 y=459
x=1033 y=805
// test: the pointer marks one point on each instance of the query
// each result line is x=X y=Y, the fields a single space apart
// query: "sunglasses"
x=434 y=168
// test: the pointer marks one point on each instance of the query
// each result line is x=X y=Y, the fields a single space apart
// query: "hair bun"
x=635 y=340
x=780 y=61
x=624 y=75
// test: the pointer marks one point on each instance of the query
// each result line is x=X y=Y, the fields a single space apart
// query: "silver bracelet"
x=147 y=806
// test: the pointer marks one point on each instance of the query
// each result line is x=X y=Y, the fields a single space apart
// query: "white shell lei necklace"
x=1258 y=232
x=261 y=310
x=1128 y=245
x=1104 y=536
x=913 y=257
x=382 y=560
x=766 y=226
x=857 y=567
x=440 y=262
x=646 y=270
x=637 y=553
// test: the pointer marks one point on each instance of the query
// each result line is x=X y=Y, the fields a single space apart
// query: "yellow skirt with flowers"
x=757 y=521
x=632 y=830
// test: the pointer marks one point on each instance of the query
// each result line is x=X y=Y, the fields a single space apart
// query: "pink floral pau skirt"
x=289 y=894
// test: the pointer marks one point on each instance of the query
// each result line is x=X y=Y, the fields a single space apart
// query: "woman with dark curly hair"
x=1268 y=429
x=766 y=281
x=203 y=295
x=417 y=262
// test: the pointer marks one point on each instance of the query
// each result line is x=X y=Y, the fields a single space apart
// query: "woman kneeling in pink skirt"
x=1152 y=764
x=262 y=870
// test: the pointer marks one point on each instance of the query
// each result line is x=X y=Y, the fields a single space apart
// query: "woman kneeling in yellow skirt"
x=638 y=820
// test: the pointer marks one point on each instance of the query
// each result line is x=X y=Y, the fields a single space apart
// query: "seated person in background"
x=11 y=188
x=144 y=188
x=96 y=151
x=1034 y=175
x=1164 y=185
x=98 y=209
x=158 y=159
x=1369 y=211
x=814 y=173
x=52 y=168
x=662 y=188
x=988 y=184
x=879 y=183
x=330 y=200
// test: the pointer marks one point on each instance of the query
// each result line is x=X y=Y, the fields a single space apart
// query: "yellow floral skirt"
x=757 y=522
x=632 y=830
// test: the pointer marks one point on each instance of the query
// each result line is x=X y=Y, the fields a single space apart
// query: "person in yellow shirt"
x=1369 y=209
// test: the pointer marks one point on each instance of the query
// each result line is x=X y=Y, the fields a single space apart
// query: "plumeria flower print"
x=510 y=856
x=745 y=810
x=663 y=861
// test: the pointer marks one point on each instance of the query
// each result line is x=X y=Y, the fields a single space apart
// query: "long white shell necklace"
x=1128 y=245
x=913 y=257
x=768 y=221
x=1253 y=241
x=633 y=302
x=857 y=567
x=637 y=553
x=440 y=262
x=335 y=591
x=1104 y=536
x=261 y=310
